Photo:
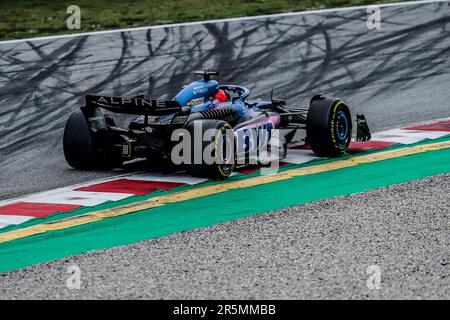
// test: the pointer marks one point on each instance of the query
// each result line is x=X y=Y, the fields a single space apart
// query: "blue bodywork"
x=199 y=95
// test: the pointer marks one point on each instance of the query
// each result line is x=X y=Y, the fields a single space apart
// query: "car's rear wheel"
x=84 y=150
x=220 y=145
x=329 y=126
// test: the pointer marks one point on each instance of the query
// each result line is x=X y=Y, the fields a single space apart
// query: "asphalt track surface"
x=317 y=250
x=396 y=75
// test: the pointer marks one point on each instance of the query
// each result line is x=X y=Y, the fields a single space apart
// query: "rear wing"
x=135 y=105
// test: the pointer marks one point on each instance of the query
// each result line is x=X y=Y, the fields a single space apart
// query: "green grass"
x=31 y=18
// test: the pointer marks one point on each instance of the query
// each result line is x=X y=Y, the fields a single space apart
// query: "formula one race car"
x=93 y=141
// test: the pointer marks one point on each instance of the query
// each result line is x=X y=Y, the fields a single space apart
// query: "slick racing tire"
x=85 y=150
x=329 y=127
x=216 y=144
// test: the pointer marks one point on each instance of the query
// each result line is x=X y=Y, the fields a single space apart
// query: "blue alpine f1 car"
x=92 y=140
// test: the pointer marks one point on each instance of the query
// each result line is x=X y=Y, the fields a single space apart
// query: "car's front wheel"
x=329 y=126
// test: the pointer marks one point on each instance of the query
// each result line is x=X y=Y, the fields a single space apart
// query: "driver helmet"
x=221 y=96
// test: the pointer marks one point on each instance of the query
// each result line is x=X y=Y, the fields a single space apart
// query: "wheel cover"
x=227 y=158
x=342 y=126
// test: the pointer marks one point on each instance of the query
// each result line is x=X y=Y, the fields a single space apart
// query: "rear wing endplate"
x=135 y=105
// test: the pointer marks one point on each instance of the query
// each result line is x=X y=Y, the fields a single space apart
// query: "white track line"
x=407 y=136
x=6 y=220
x=413 y=124
x=82 y=198
x=267 y=16
x=178 y=177
x=425 y=122
x=299 y=156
